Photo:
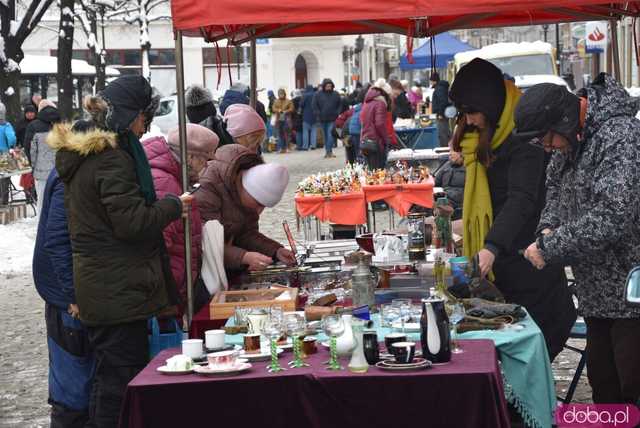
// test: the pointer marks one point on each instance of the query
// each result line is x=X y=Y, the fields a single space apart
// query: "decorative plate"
x=208 y=371
x=165 y=370
x=417 y=364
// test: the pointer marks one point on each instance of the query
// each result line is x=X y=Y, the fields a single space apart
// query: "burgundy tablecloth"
x=467 y=392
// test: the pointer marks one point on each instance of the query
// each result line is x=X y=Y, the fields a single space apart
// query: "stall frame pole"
x=254 y=74
x=182 y=126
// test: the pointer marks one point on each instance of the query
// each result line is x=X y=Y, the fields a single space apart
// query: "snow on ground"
x=17 y=241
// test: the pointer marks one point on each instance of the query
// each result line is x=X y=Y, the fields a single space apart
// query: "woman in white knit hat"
x=234 y=189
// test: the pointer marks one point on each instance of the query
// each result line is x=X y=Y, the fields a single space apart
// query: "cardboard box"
x=224 y=303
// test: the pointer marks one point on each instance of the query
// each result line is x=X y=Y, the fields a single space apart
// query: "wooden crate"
x=221 y=308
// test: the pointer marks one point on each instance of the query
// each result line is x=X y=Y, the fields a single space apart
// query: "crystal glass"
x=457 y=315
x=273 y=329
x=333 y=327
x=388 y=314
x=295 y=326
x=277 y=313
x=404 y=309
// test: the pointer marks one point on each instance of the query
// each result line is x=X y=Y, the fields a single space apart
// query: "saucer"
x=208 y=371
x=417 y=364
x=224 y=348
x=263 y=356
x=165 y=370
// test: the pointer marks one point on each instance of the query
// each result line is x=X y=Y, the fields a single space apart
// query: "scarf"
x=143 y=170
x=477 y=213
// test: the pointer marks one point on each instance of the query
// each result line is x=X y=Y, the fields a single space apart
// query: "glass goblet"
x=273 y=330
x=295 y=326
x=333 y=327
x=404 y=308
x=457 y=315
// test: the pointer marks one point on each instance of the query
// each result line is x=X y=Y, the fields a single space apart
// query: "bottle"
x=438 y=276
x=442 y=233
x=358 y=362
x=434 y=331
x=415 y=236
x=362 y=286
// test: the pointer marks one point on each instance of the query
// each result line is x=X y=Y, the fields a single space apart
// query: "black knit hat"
x=479 y=87
x=127 y=96
x=199 y=103
x=547 y=107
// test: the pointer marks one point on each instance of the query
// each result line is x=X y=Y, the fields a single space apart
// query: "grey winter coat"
x=593 y=203
x=43 y=157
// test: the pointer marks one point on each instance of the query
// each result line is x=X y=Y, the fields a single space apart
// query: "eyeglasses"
x=543 y=141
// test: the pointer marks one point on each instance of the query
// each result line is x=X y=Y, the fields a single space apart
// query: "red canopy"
x=239 y=20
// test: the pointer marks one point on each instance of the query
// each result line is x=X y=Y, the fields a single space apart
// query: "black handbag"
x=369 y=147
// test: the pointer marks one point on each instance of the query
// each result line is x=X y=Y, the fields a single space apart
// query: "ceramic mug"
x=214 y=339
x=192 y=348
x=392 y=338
x=403 y=352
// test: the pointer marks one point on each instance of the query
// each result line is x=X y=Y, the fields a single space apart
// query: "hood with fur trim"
x=74 y=146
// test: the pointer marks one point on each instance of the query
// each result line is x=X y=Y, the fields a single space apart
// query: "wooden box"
x=224 y=303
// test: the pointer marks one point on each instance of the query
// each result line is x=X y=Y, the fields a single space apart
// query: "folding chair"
x=578 y=331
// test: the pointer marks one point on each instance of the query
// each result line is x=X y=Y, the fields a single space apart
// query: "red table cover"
x=348 y=208
x=401 y=197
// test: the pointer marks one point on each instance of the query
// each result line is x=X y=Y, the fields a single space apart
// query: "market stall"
x=13 y=200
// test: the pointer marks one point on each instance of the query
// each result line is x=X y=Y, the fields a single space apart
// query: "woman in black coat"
x=504 y=195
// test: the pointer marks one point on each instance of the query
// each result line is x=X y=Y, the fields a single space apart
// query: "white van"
x=529 y=63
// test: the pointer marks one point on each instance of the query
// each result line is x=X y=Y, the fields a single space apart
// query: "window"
x=238 y=55
x=162 y=57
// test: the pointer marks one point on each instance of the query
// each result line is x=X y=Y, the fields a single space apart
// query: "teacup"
x=252 y=343
x=392 y=338
x=192 y=348
x=214 y=339
x=222 y=360
x=403 y=352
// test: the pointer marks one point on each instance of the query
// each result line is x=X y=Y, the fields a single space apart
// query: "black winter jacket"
x=402 y=108
x=451 y=178
x=440 y=97
x=516 y=182
x=121 y=269
x=326 y=105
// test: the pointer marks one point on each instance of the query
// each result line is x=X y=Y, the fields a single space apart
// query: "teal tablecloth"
x=528 y=379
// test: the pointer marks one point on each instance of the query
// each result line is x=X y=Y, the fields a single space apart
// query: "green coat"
x=120 y=267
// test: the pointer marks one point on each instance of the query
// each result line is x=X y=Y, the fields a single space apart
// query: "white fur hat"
x=381 y=83
x=266 y=183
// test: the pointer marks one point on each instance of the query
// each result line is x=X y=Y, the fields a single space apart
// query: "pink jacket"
x=166 y=179
x=374 y=118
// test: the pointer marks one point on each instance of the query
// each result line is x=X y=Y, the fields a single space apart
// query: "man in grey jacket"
x=592 y=216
